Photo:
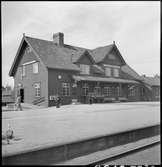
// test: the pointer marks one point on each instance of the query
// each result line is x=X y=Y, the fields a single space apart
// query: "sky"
x=134 y=26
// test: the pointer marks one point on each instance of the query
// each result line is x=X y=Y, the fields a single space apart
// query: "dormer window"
x=108 y=71
x=84 y=69
x=116 y=72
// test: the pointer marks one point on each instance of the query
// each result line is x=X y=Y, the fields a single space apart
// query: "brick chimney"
x=58 y=38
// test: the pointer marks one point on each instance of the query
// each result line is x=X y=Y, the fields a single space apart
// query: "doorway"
x=22 y=95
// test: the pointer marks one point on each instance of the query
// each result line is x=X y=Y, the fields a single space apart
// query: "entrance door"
x=22 y=95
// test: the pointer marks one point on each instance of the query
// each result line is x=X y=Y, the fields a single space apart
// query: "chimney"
x=144 y=75
x=58 y=38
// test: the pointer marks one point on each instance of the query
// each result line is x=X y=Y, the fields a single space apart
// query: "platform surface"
x=40 y=128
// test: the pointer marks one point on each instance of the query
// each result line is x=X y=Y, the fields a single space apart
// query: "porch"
x=102 y=90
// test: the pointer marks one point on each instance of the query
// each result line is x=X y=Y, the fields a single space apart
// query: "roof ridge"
x=38 y=39
x=103 y=46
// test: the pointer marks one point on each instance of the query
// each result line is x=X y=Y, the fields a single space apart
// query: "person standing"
x=18 y=103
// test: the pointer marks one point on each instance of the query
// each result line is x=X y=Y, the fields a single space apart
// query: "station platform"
x=49 y=127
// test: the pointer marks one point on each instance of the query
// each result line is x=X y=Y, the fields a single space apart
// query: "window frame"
x=106 y=74
x=85 y=89
x=34 y=67
x=84 y=69
x=23 y=71
x=114 y=72
x=107 y=91
x=66 y=89
x=37 y=89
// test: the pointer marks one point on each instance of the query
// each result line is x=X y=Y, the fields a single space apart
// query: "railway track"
x=123 y=154
x=114 y=153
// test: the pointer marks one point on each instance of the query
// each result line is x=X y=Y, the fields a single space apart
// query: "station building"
x=43 y=69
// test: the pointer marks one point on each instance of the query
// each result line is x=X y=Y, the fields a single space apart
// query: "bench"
x=122 y=99
x=109 y=99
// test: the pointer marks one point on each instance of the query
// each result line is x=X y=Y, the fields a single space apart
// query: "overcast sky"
x=134 y=26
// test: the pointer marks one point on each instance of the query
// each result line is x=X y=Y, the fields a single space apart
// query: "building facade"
x=44 y=69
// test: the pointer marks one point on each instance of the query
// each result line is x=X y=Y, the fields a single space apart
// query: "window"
x=37 y=89
x=118 y=91
x=97 y=90
x=157 y=92
x=28 y=49
x=85 y=69
x=35 y=68
x=66 y=89
x=108 y=71
x=116 y=72
x=132 y=91
x=107 y=91
x=23 y=71
x=85 y=89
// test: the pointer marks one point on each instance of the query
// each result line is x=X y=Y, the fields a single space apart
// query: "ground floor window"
x=157 y=92
x=132 y=91
x=37 y=89
x=107 y=91
x=66 y=89
x=118 y=91
x=85 y=89
x=97 y=90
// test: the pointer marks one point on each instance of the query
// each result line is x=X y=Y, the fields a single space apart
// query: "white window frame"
x=37 y=88
x=107 y=91
x=108 y=71
x=132 y=92
x=66 y=89
x=116 y=72
x=85 y=89
x=97 y=90
x=23 y=70
x=35 y=68
x=84 y=69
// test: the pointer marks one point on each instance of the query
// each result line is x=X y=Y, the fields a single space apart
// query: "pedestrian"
x=18 y=103
x=90 y=100
x=58 y=101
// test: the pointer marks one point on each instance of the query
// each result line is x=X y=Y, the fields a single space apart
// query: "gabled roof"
x=64 y=57
x=54 y=56
x=100 y=52
x=127 y=69
x=85 y=53
x=152 y=81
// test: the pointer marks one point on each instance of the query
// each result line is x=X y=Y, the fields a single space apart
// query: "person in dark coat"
x=58 y=101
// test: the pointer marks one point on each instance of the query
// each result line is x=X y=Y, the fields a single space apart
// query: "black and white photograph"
x=81 y=83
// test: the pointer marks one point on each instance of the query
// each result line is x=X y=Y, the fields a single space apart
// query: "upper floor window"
x=23 y=70
x=28 y=49
x=116 y=72
x=35 y=68
x=66 y=89
x=108 y=71
x=85 y=69
x=37 y=89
